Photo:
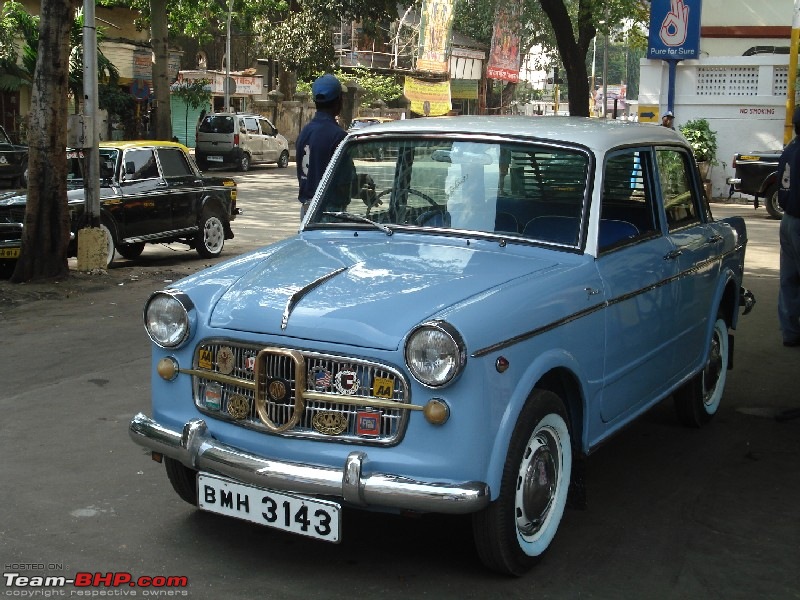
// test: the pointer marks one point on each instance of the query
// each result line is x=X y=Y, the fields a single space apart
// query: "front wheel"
x=183 y=480
x=698 y=400
x=211 y=237
x=513 y=532
x=110 y=244
x=131 y=251
x=771 y=203
x=283 y=160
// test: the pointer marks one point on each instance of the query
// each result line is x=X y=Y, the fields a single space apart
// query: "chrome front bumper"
x=195 y=448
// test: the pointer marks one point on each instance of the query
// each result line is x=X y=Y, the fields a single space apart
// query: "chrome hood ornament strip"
x=298 y=295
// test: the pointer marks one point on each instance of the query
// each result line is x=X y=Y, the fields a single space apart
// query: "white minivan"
x=239 y=140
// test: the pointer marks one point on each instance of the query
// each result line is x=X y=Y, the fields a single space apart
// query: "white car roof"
x=597 y=134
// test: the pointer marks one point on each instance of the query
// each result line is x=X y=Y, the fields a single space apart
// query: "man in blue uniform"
x=789 y=200
x=319 y=138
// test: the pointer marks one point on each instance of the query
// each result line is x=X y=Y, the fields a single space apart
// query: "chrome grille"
x=300 y=394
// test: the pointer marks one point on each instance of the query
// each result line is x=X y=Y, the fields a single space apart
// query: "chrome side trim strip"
x=587 y=311
x=197 y=449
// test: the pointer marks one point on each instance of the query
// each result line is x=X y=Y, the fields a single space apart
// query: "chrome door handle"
x=673 y=255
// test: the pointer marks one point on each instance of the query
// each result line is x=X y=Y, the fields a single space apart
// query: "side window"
x=680 y=201
x=266 y=127
x=251 y=124
x=174 y=163
x=140 y=164
x=626 y=212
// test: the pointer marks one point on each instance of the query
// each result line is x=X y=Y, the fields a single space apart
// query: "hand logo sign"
x=675 y=25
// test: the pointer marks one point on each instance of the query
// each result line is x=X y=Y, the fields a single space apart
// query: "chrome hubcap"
x=713 y=369
x=537 y=482
x=213 y=235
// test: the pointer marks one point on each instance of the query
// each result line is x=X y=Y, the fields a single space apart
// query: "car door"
x=253 y=140
x=697 y=247
x=272 y=149
x=146 y=205
x=639 y=285
x=184 y=186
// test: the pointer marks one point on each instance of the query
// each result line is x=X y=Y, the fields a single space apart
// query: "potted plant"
x=703 y=142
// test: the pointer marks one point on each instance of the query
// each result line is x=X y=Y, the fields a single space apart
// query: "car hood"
x=363 y=293
x=74 y=196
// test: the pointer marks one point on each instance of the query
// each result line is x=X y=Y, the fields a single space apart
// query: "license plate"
x=9 y=252
x=319 y=519
x=214 y=158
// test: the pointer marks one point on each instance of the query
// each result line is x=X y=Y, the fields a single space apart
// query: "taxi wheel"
x=244 y=162
x=771 y=203
x=110 y=244
x=131 y=251
x=513 y=532
x=183 y=480
x=211 y=237
x=699 y=399
x=283 y=160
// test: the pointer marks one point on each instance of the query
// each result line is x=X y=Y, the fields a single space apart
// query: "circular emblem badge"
x=225 y=360
x=329 y=423
x=238 y=407
x=347 y=382
x=277 y=390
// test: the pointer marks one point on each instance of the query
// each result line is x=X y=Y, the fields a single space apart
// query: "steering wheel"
x=414 y=192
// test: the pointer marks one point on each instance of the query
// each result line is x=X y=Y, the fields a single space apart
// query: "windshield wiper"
x=346 y=216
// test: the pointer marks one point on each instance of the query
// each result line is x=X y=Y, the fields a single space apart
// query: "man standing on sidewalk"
x=789 y=200
x=319 y=138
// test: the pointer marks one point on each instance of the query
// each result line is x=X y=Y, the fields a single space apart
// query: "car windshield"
x=476 y=185
x=76 y=166
x=217 y=124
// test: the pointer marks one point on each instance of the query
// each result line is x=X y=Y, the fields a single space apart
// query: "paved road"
x=672 y=513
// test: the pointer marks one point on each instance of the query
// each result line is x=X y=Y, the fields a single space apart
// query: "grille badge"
x=347 y=382
x=277 y=390
x=329 y=422
x=238 y=407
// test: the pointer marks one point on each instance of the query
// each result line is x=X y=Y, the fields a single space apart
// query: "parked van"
x=239 y=140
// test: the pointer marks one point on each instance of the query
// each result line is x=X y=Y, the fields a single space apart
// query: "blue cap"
x=326 y=88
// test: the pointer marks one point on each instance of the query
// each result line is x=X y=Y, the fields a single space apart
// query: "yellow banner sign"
x=427 y=98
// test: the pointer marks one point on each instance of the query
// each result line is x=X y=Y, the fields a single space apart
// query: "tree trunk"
x=573 y=51
x=162 y=120
x=45 y=237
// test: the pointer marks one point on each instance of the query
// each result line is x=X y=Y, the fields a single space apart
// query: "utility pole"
x=228 y=60
x=788 y=127
x=92 y=242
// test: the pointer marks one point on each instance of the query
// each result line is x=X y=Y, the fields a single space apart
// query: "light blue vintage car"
x=471 y=306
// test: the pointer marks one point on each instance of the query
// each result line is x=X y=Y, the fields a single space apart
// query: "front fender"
x=544 y=363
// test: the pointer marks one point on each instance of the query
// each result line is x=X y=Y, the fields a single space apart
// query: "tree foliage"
x=564 y=29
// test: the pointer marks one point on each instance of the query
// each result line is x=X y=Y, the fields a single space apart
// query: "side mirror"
x=130 y=167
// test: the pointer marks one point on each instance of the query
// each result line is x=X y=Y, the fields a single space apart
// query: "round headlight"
x=167 y=319
x=435 y=353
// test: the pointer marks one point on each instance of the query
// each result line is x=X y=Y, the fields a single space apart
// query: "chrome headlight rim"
x=189 y=318
x=459 y=354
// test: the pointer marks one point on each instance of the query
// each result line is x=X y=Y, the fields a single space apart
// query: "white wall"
x=742 y=97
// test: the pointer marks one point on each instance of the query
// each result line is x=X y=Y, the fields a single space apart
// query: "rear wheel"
x=183 y=480
x=244 y=162
x=283 y=160
x=210 y=240
x=771 y=203
x=698 y=400
x=513 y=532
